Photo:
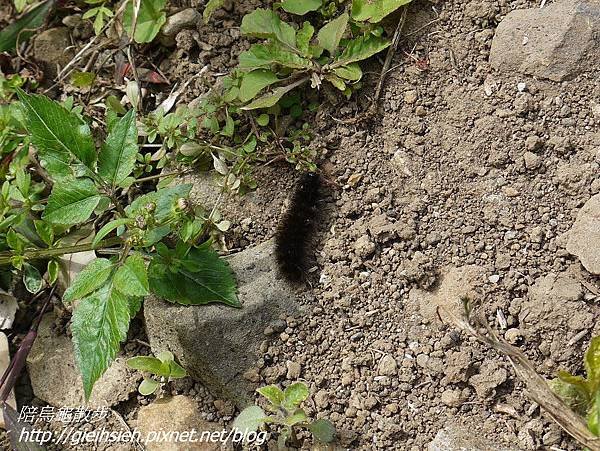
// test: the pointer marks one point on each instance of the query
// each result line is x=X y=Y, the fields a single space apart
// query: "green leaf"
x=360 y=49
x=264 y=23
x=24 y=27
x=71 y=202
x=201 y=277
x=45 y=231
x=131 y=278
x=109 y=227
x=303 y=38
x=32 y=278
x=148 y=364
x=62 y=140
x=53 y=268
x=300 y=7
x=117 y=157
x=263 y=120
x=92 y=277
x=150 y=19
x=82 y=79
x=177 y=371
x=253 y=82
x=299 y=416
x=210 y=8
x=273 y=393
x=330 y=35
x=164 y=201
x=294 y=394
x=272 y=97
x=351 y=72
x=594 y=416
x=263 y=56
x=336 y=81
x=592 y=363
x=375 y=10
x=148 y=386
x=100 y=323
x=249 y=419
x=322 y=430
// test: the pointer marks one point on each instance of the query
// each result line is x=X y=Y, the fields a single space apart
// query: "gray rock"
x=584 y=237
x=176 y=414
x=556 y=42
x=455 y=438
x=52 y=48
x=56 y=379
x=188 y=18
x=218 y=344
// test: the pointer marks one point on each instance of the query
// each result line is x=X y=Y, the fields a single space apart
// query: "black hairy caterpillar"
x=296 y=228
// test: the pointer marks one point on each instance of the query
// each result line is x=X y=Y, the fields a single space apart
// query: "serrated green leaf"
x=62 y=140
x=210 y=8
x=32 y=279
x=148 y=386
x=330 y=35
x=300 y=7
x=272 y=97
x=264 y=23
x=249 y=419
x=360 y=49
x=273 y=393
x=99 y=325
x=375 y=10
x=109 y=227
x=150 y=20
x=92 y=277
x=72 y=202
x=253 y=82
x=201 y=277
x=294 y=394
x=132 y=278
x=351 y=72
x=24 y=27
x=117 y=157
x=322 y=430
x=263 y=56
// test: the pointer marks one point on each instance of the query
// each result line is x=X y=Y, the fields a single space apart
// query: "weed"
x=284 y=405
x=159 y=242
x=162 y=369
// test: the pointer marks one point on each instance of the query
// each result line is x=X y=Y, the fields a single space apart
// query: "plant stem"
x=5 y=257
x=9 y=378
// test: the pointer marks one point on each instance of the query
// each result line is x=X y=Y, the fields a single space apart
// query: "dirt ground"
x=463 y=166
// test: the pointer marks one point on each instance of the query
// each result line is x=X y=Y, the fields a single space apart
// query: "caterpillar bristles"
x=296 y=228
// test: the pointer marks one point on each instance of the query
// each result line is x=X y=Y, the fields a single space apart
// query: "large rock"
x=53 y=48
x=584 y=237
x=56 y=379
x=456 y=284
x=553 y=313
x=217 y=344
x=454 y=438
x=557 y=42
x=178 y=414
